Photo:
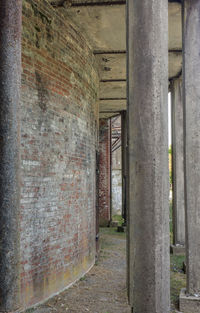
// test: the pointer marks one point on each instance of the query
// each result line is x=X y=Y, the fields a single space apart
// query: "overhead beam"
x=110 y=52
x=62 y=3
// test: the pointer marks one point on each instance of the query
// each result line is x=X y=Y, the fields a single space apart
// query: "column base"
x=189 y=304
x=177 y=250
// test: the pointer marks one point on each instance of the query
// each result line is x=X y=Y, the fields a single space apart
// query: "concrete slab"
x=112 y=66
x=175 y=26
x=112 y=105
x=103 y=22
x=104 y=25
x=189 y=304
x=177 y=250
x=175 y=64
x=113 y=90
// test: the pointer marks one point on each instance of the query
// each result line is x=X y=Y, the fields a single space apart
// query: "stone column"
x=148 y=156
x=124 y=145
x=10 y=78
x=191 y=97
x=178 y=202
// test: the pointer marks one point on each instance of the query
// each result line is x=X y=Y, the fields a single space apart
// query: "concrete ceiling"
x=103 y=23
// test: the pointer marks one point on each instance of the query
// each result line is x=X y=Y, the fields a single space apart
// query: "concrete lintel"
x=188 y=303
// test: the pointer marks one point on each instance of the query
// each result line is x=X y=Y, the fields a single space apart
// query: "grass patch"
x=112 y=231
x=30 y=310
x=106 y=235
x=118 y=218
x=178 y=279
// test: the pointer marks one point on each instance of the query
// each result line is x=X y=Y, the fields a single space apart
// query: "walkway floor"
x=103 y=289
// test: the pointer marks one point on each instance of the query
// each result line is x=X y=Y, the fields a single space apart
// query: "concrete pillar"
x=104 y=172
x=124 y=145
x=178 y=202
x=148 y=156
x=10 y=78
x=191 y=93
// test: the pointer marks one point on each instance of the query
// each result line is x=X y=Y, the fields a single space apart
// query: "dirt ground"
x=103 y=289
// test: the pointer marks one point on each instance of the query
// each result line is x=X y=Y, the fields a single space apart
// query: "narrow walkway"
x=103 y=289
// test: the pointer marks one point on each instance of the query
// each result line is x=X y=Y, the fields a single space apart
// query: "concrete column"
x=104 y=172
x=124 y=145
x=148 y=156
x=10 y=78
x=178 y=202
x=191 y=80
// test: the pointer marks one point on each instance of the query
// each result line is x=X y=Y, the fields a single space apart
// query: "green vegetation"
x=118 y=218
x=178 y=279
x=112 y=231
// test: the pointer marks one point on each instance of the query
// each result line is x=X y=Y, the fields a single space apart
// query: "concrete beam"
x=108 y=114
x=61 y=3
x=10 y=80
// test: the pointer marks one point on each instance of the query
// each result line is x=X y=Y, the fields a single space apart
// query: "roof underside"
x=103 y=23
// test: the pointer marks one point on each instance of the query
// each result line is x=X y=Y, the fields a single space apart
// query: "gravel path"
x=103 y=289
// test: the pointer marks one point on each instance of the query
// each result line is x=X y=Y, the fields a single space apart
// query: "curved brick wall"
x=59 y=137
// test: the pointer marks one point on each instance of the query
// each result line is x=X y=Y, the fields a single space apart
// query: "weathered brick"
x=59 y=118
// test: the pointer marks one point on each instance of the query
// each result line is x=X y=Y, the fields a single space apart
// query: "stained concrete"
x=148 y=217
x=178 y=202
x=124 y=163
x=103 y=22
x=112 y=105
x=112 y=66
x=110 y=90
x=189 y=304
x=192 y=143
x=10 y=69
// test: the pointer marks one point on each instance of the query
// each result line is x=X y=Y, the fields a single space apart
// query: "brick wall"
x=104 y=172
x=59 y=118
